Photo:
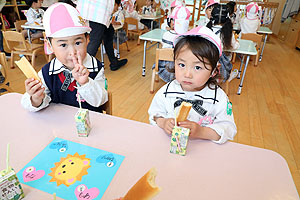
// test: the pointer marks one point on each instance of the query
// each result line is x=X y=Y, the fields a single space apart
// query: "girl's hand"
x=193 y=126
x=34 y=89
x=80 y=73
x=166 y=123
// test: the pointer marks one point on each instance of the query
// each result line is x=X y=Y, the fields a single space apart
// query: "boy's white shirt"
x=163 y=106
x=149 y=10
x=249 y=26
x=93 y=92
x=31 y=16
x=119 y=16
x=203 y=21
x=169 y=36
x=234 y=43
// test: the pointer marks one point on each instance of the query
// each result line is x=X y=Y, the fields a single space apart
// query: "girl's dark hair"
x=212 y=6
x=202 y=49
x=118 y=2
x=230 y=5
x=70 y=2
x=30 y=2
x=220 y=16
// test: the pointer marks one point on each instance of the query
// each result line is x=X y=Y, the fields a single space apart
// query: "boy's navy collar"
x=174 y=89
x=57 y=67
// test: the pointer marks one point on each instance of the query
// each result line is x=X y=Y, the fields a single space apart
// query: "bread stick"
x=184 y=110
x=145 y=188
x=27 y=68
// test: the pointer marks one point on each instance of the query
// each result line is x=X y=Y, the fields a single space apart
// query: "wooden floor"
x=267 y=112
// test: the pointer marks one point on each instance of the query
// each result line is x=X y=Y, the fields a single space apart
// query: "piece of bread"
x=184 y=110
x=145 y=188
x=27 y=68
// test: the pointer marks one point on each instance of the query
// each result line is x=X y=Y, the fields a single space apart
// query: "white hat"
x=176 y=3
x=181 y=16
x=252 y=10
x=63 y=20
x=211 y=2
x=204 y=32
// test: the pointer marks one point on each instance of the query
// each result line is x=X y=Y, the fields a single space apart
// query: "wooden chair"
x=4 y=69
x=135 y=31
x=161 y=54
x=256 y=38
x=17 y=44
x=51 y=56
x=107 y=107
x=18 y=25
x=125 y=27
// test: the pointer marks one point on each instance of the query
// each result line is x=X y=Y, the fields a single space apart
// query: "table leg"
x=240 y=70
x=118 y=45
x=244 y=73
x=159 y=23
x=144 y=59
x=262 y=50
x=28 y=35
x=102 y=57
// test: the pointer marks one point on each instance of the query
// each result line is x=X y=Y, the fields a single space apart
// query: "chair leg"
x=138 y=43
x=233 y=58
x=127 y=45
x=152 y=81
x=156 y=76
x=12 y=60
x=34 y=53
x=256 y=59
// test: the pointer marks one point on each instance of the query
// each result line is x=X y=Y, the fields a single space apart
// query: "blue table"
x=155 y=36
x=247 y=48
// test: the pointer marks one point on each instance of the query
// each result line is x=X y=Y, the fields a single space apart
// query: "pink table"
x=208 y=171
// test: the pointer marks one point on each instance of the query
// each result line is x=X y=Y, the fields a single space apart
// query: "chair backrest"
x=18 y=25
x=253 y=37
x=15 y=41
x=163 y=54
x=107 y=107
x=3 y=68
x=4 y=64
x=132 y=21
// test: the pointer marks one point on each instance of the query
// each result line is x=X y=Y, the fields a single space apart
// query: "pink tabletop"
x=208 y=171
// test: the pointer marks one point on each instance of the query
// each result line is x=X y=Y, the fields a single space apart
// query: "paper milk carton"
x=83 y=125
x=10 y=187
x=179 y=140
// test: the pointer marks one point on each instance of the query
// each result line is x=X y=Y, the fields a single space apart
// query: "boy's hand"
x=193 y=126
x=166 y=123
x=36 y=92
x=80 y=73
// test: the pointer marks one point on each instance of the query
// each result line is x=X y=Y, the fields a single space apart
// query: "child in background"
x=233 y=14
x=178 y=25
x=167 y=21
x=250 y=23
x=148 y=10
x=221 y=25
x=34 y=16
x=129 y=10
x=196 y=55
x=118 y=20
x=73 y=72
x=208 y=8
